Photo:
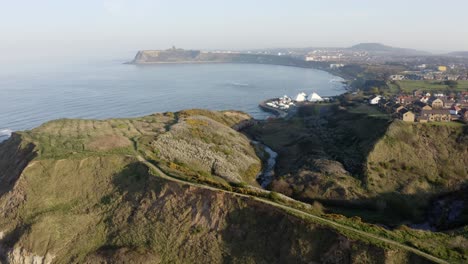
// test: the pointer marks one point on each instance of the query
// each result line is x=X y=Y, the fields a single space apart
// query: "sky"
x=61 y=28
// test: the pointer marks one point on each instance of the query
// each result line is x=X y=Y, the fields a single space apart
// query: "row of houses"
x=433 y=110
x=428 y=75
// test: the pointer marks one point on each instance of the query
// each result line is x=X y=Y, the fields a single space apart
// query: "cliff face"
x=15 y=156
x=171 y=55
x=76 y=191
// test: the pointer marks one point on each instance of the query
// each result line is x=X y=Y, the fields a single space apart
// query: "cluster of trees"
x=450 y=84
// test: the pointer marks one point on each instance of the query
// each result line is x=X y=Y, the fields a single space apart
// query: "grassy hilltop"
x=180 y=188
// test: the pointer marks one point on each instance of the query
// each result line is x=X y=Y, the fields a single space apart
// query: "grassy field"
x=394 y=88
x=446 y=124
x=410 y=86
x=372 y=111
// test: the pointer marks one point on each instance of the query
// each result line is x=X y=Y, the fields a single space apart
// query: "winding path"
x=296 y=211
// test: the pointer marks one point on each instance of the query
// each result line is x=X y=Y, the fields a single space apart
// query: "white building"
x=375 y=100
x=397 y=77
x=314 y=97
x=301 y=97
x=336 y=65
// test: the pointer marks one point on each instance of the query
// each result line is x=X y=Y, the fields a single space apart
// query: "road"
x=296 y=211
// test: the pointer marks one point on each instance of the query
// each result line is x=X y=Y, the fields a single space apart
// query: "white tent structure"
x=314 y=97
x=300 y=97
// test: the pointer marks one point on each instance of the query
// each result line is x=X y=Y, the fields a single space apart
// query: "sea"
x=31 y=94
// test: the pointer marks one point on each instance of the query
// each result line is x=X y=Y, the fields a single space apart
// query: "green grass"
x=442 y=245
x=446 y=124
x=372 y=111
x=431 y=86
x=394 y=88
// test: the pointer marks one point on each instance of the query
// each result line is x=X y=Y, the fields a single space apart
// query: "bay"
x=31 y=94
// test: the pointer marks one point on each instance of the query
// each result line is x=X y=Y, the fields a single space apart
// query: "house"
x=375 y=100
x=426 y=107
x=407 y=115
x=439 y=115
x=437 y=104
x=336 y=65
x=397 y=77
x=442 y=68
x=454 y=117
x=405 y=100
x=389 y=106
x=397 y=108
x=418 y=106
x=382 y=103
x=418 y=92
x=464 y=114
x=454 y=110
x=424 y=99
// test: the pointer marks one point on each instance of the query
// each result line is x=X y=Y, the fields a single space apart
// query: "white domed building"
x=314 y=97
x=301 y=97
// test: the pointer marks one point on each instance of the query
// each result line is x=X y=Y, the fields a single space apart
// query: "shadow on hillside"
x=265 y=235
x=10 y=239
x=324 y=132
x=349 y=138
x=394 y=209
x=13 y=159
x=261 y=234
x=133 y=179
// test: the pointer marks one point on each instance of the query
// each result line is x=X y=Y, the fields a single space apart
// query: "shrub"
x=274 y=196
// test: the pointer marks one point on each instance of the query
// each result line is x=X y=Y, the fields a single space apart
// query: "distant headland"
x=177 y=55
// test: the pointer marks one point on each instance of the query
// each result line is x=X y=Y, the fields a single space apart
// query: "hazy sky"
x=47 y=28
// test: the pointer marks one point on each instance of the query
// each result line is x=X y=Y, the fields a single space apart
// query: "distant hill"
x=377 y=48
x=463 y=54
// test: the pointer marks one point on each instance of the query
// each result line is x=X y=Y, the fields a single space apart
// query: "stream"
x=266 y=176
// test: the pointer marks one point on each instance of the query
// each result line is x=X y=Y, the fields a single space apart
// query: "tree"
x=451 y=84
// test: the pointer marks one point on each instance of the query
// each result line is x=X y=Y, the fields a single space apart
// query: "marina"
x=285 y=106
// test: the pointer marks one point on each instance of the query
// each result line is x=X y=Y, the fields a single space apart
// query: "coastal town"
x=420 y=106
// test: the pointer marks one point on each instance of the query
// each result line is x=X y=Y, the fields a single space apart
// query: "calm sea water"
x=33 y=94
